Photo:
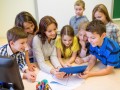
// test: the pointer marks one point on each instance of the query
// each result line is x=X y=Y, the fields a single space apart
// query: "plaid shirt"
x=20 y=56
x=113 y=32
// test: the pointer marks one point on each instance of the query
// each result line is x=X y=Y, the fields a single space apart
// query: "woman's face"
x=29 y=27
x=51 y=31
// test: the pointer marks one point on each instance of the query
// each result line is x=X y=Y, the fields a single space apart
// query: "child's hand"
x=78 y=60
x=82 y=44
x=58 y=74
x=31 y=76
x=67 y=75
x=31 y=67
x=83 y=75
x=67 y=64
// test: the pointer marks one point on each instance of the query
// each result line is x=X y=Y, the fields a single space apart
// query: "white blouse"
x=44 y=52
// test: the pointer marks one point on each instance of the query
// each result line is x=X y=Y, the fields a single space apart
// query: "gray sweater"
x=44 y=52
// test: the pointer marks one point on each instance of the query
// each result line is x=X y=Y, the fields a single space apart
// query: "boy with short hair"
x=17 y=42
x=102 y=48
x=79 y=7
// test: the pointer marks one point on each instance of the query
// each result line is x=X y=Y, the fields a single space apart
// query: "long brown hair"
x=25 y=17
x=66 y=30
x=101 y=8
x=44 y=23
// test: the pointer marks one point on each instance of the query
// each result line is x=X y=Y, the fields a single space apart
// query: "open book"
x=60 y=84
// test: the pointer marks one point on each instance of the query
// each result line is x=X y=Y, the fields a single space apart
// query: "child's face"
x=78 y=10
x=82 y=35
x=95 y=39
x=100 y=16
x=29 y=27
x=51 y=31
x=19 y=45
x=67 y=40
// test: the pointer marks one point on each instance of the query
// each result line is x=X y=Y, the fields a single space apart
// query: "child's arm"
x=91 y=63
x=59 y=56
x=72 y=59
x=30 y=66
x=87 y=72
x=83 y=49
x=102 y=72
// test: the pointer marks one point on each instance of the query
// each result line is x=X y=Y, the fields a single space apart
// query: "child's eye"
x=80 y=34
x=49 y=31
x=93 y=37
x=64 y=40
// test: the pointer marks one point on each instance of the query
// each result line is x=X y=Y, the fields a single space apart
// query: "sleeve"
x=86 y=19
x=21 y=61
x=113 y=59
x=54 y=59
x=70 y=21
x=118 y=34
x=75 y=46
x=91 y=49
x=83 y=53
x=38 y=54
x=21 y=73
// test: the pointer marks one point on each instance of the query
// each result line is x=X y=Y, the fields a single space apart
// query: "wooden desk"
x=107 y=82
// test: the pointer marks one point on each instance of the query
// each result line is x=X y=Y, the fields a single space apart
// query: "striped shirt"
x=113 y=32
x=108 y=53
x=20 y=56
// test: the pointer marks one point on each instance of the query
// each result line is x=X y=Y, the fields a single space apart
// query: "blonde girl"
x=83 y=41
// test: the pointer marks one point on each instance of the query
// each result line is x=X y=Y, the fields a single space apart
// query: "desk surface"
x=107 y=82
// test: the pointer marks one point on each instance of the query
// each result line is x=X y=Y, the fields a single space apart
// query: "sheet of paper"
x=60 y=84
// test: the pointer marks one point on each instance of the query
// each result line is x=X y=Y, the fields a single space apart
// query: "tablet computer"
x=73 y=69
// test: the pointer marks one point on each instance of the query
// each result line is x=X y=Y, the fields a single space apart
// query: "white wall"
x=8 y=11
x=62 y=10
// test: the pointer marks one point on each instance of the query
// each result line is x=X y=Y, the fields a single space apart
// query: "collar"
x=9 y=50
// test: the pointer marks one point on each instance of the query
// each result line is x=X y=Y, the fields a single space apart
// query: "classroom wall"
x=8 y=11
x=63 y=10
